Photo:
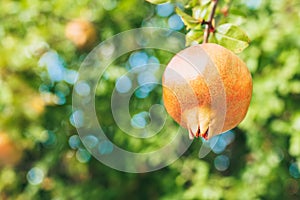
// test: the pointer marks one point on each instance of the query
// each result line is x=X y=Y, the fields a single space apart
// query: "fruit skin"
x=81 y=32
x=207 y=89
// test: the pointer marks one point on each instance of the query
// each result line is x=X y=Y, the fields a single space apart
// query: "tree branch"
x=209 y=27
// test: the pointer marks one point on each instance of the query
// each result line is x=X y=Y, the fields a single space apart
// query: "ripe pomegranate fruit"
x=207 y=89
x=81 y=32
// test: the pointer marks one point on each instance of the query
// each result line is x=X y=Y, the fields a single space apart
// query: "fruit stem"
x=209 y=26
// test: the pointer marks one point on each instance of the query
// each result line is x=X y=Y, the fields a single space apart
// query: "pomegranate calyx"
x=198 y=134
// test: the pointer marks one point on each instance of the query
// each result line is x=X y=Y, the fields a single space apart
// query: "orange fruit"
x=81 y=32
x=10 y=155
x=207 y=89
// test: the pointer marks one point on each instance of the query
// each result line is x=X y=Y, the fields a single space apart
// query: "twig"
x=209 y=26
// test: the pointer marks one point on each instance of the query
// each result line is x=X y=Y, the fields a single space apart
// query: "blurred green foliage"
x=48 y=161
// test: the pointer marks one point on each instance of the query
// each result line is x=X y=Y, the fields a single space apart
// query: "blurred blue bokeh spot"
x=77 y=119
x=294 y=170
x=123 y=84
x=61 y=98
x=83 y=155
x=219 y=142
x=105 y=147
x=252 y=4
x=74 y=141
x=82 y=88
x=90 y=141
x=228 y=137
x=70 y=76
x=141 y=93
x=139 y=120
x=54 y=65
x=35 y=176
x=44 y=88
x=221 y=162
x=175 y=22
x=138 y=59
x=165 y=9
x=146 y=77
x=154 y=64
x=51 y=139
x=56 y=68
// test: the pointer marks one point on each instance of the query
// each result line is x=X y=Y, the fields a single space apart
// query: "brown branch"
x=209 y=26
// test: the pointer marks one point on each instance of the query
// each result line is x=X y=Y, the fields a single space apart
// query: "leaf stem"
x=209 y=26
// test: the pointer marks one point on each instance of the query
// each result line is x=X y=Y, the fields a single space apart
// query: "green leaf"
x=200 y=12
x=188 y=20
x=158 y=1
x=238 y=12
x=232 y=37
x=194 y=36
x=205 y=2
x=192 y=4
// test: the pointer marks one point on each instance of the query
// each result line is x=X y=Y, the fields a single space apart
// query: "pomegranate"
x=207 y=89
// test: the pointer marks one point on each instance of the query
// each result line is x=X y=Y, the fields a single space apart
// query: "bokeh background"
x=43 y=43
